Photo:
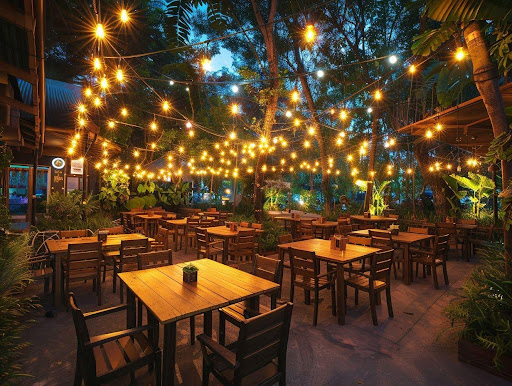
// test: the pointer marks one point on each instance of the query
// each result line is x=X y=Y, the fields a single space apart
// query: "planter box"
x=478 y=356
x=190 y=277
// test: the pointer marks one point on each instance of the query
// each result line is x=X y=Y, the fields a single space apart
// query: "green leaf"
x=430 y=40
x=468 y=10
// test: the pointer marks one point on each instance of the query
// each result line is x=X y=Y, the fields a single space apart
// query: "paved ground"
x=412 y=348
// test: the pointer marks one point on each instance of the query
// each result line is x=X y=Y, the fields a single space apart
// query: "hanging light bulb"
x=288 y=114
x=153 y=126
x=165 y=106
x=97 y=63
x=124 y=16
x=412 y=69
x=310 y=33
x=88 y=92
x=81 y=108
x=343 y=114
x=119 y=75
x=307 y=144
x=378 y=95
x=191 y=133
x=311 y=130
x=100 y=31
x=393 y=59
x=97 y=102
x=320 y=73
x=429 y=134
x=234 y=109
x=439 y=127
x=234 y=88
x=206 y=64
x=296 y=122
x=295 y=96
x=124 y=112
x=111 y=124
x=104 y=83
x=460 y=54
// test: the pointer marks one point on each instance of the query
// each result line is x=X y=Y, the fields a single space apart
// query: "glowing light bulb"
x=153 y=126
x=307 y=144
x=393 y=59
x=97 y=64
x=311 y=130
x=369 y=110
x=288 y=114
x=100 y=31
x=81 y=122
x=439 y=127
x=320 y=73
x=181 y=149
x=206 y=64
x=378 y=95
x=124 y=112
x=165 y=106
x=124 y=16
x=81 y=108
x=191 y=133
x=97 y=102
x=350 y=157
x=310 y=33
x=428 y=134
x=460 y=54
x=104 y=83
x=295 y=96
x=88 y=92
x=409 y=171
x=188 y=125
x=111 y=124
x=234 y=109
x=296 y=122
x=119 y=75
x=153 y=145
x=343 y=114
x=171 y=83
x=136 y=154
x=77 y=136
x=412 y=69
x=234 y=88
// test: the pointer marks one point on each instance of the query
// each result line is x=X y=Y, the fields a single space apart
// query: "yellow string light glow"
x=412 y=69
x=310 y=33
x=124 y=16
x=343 y=114
x=153 y=126
x=439 y=127
x=100 y=31
x=295 y=96
x=429 y=134
x=234 y=109
x=124 y=112
x=111 y=124
x=88 y=92
x=460 y=54
x=377 y=95
x=119 y=75
x=165 y=106
x=104 y=83
x=97 y=64
x=97 y=102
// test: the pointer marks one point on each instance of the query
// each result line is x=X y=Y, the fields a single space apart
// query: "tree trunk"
x=266 y=29
x=371 y=162
x=485 y=75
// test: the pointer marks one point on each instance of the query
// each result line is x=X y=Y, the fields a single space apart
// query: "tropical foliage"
x=115 y=190
x=378 y=204
x=480 y=187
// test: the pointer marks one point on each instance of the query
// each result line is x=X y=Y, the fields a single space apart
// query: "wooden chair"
x=83 y=262
x=306 y=229
x=383 y=239
x=41 y=268
x=244 y=224
x=433 y=258
x=138 y=225
x=481 y=237
x=161 y=240
x=74 y=234
x=256 y=226
x=127 y=260
x=418 y=230
x=223 y=217
x=236 y=314
x=242 y=247
x=105 y=358
x=305 y=273
x=261 y=340
x=344 y=229
x=154 y=259
x=190 y=233
x=470 y=221
x=455 y=239
x=360 y=240
x=119 y=230
x=207 y=247
x=377 y=280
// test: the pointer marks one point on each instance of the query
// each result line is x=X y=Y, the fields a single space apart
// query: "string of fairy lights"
x=229 y=156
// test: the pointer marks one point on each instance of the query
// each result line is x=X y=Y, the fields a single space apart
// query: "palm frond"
x=467 y=10
x=431 y=40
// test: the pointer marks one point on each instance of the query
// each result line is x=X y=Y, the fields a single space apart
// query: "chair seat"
x=255 y=378
x=426 y=260
x=309 y=282
x=111 y=254
x=41 y=273
x=120 y=352
x=212 y=250
x=363 y=282
x=82 y=274
x=239 y=311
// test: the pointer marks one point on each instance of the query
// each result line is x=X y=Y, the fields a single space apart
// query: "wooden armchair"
x=361 y=265
x=455 y=239
x=83 y=262
x=190 y=232
x=161 y=240
x=261 y=341
x=207 y=247
x=236 y=314
x=375 y=281
x=127 y=260
x=242 y=249
x=114 y=230
x=384 y=240
x=433 y=258
x=344 y=229
x=306 y=231
x=74 y=234
x=105 y=358
x=305 y=274
x=138 y=225
x=41 y=268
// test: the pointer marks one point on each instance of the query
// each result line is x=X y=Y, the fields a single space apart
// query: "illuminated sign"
x=58 y=163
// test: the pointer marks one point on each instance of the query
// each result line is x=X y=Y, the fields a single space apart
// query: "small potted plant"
x=190 y=273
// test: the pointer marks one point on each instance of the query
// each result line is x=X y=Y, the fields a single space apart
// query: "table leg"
x=57 y=272
x=465 y=245
x=281 y=273
x=131 y=309
x=176 y=236
x=225 y=250
x=407 y=265
x=253 y=303
x=169 y=353
x=340 y=283
x=208 y=325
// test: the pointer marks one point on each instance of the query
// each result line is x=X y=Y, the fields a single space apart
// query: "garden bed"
x=480 y=357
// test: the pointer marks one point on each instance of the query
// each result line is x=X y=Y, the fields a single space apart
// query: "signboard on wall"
x=57 y=180
x=77 y=166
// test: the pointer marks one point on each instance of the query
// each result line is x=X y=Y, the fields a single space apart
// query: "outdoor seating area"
x=255 y=193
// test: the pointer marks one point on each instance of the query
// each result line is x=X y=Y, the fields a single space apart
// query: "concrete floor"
x=415 y=347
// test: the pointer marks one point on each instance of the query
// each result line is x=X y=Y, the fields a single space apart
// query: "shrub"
x=483 y=307
x=271 y=231
x=14 y=276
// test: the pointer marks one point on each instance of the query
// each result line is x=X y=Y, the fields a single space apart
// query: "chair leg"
x=434 y=276
x=121 y=291
x=222 y=329
x=192 y=330
x=315 y=315
x=292 y=292
x=78 y=373
x=356 y=296
x=377 y=298
x=333 y=299
x=445 y=273
x=388 y=299
x=345 y=291
x=46 y=285
x=424 y=272
x=307 y=297
x=158 y=370
x=394 y=270
x=417 y=265
x=104 y=272
x=66 y=295
x=114 y=280
x=373 y=308
x=206 y=373
x=139 y=313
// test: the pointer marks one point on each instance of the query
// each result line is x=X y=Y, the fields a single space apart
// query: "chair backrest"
x=471 y=221
x=344 y=229
x=343 y=220
x=162 y=236
x=114 y=230
x=73 y=234
x=84 y=256
x=306 y=227
x=380 y=268
x=381 y=239
x=443 y=228
x=285 y=239
x=441 y=246
x=245 y=240
x=244 y=224
x=202 y=236
x=205 y=223
x=304 y=263
x=359 y=240
x=393 y=216
x=192 y=224
x=262 y=339
x=154 y=259
x=419 y=230
x=84 y=356
x=256 y=226
x=266 y=268
x=131 y=248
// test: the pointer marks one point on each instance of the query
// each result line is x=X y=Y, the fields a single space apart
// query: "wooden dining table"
x=293 y=221
x=225 y=234
x=323 y=251
x=405 y=240
x=373 y=219
x=327 y=227
x=169 y=299
x=59 y=249
x=150 y=223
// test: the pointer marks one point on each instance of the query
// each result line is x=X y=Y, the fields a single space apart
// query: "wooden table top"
x=61 y=245
x=402 y=237
x=287 y=218
x=325 y=224
x=181 y=221
x=163 y=291
x=372 y=218
x=148 y=217
x=322 y=249
x=223 y=231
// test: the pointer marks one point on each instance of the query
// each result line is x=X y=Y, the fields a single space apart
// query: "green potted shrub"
x=190 y=273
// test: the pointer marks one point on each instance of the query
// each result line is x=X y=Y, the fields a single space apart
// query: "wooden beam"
x=19 y=105
x=27 y=76
x=19 y=19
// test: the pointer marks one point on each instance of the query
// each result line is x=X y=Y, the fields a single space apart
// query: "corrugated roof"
x=61 y=99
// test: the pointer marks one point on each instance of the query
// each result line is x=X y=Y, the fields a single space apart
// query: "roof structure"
x=466 y=125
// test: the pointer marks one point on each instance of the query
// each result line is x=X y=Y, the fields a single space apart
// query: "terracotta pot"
x=478 y=356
